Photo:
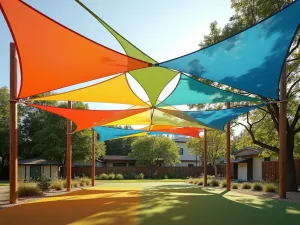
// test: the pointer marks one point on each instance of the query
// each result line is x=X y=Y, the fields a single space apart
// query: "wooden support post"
x=13 y=151
x=228 y=165
x=69 y=150
x=205 y=159
x=93 y=157
x=282 y=134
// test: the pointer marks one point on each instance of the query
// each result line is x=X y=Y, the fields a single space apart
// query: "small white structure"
x=35 y=168
x=247 y=165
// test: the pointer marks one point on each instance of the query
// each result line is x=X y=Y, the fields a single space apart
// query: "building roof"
x=248 y=151
x=181 y=139
x=117 y=158
x=38 y=162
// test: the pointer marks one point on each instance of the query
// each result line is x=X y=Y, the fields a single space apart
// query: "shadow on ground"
x=166 y=204
x=191 y=205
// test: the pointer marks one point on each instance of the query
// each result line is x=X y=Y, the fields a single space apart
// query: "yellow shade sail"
x=143 y=118
x=115 y=90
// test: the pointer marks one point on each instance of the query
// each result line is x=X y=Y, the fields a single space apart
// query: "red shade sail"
x=53 y=56
x=89 y=118
x=188 y=131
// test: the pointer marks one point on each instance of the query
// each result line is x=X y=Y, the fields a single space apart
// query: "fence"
x=172 y=172
x=270 y=171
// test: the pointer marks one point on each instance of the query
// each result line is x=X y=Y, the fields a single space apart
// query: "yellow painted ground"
x=86 y=207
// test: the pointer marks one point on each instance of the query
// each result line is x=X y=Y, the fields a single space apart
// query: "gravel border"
x=4 y=196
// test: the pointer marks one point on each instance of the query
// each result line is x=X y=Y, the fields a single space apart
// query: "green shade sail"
x=153 y=80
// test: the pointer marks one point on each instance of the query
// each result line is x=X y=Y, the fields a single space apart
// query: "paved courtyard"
x=152 y=203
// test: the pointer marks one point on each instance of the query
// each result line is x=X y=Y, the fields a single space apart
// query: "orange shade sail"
x=89 y=118
x=188 y=131
x=53 y=56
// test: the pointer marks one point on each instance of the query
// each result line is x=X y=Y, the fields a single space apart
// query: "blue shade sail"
x=107 y=133
x=217 y=119
x=190 y=91
x=251 y=60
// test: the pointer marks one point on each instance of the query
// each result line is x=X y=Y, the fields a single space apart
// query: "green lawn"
x=142 y=181
x=4 y=183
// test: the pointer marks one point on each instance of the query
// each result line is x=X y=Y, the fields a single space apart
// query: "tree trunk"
x=291 y=182
x=216 y=170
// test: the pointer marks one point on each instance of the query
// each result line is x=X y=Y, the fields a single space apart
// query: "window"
x=180 y=151
x=190 y=165
x=119 y=164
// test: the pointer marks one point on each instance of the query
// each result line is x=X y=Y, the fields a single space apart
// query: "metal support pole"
x=228 y=165
x=69 y=150
x=93 y=157
x=13 y=151
x=205 y=159
x=282 y=134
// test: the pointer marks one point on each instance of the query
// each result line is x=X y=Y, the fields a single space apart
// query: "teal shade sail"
x=191 y=91
x=251 y=60
x=217 y=119
x=107 y=133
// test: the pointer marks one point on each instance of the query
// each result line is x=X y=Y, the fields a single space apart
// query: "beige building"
x=35 y=168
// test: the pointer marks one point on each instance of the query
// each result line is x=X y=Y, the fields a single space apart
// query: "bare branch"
x=291 y=88
x=295 y=47
x=291 y=60
x=296 y=118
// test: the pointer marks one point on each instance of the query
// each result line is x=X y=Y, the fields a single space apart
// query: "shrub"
x=214 y=183
x=166 y=176
x=208 y=182
x=126 y=176
x=87 y=181
x=103 y=176
x=28 y=189
x=44 y=183
x=196 y=181
x=119 y=177
x=191 y=180
x=140 y=176
x=57 y=184
x=270 y=187
x=81 y=182
x=111 y=176
x=200 y=182
x=235 y=186
x=246 y=186
x=75 y=183
x=223 y=184
x=132 y=176
x=256 y=187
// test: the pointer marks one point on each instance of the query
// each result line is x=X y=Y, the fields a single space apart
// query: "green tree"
x=44 y=135
x=154 y=150
x=216 y=147
x=263 y=124
x=4 y=125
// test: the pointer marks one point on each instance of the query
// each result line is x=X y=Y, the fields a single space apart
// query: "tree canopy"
x=216 y=147
x=155 y=150
x=262 y=124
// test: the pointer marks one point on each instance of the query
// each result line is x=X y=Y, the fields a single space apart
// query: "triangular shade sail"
x=187 y=131
x=89 y=118
x=217 y=119
x=251 y=60
x=53 y=56
x=190 y=91
x=177 y=118
x=143 y=118
x=115 y=90
x=108 y=133
x=153 y=80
